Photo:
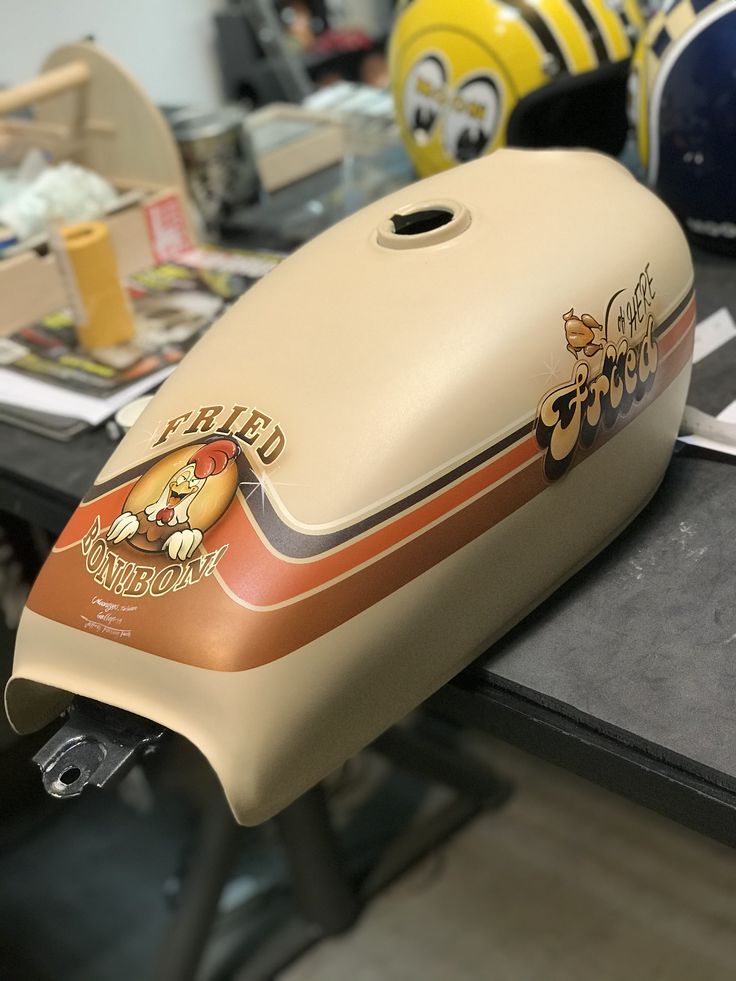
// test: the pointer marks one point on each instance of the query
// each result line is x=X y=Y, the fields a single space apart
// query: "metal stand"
x=328 y=900
x=214 y=853
x=323 y=894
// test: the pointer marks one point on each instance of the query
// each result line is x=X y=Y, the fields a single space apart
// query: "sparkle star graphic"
x=146 y=436
x=551 y=371
x=254 y=485
x=258 y=484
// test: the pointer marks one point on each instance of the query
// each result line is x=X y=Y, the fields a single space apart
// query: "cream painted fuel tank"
x=378 y=460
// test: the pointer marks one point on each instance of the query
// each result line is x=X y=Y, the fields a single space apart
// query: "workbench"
x=627 y=674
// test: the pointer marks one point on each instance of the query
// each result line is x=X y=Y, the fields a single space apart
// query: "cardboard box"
x=292 y=142
x=85 y=107
x=152 y=229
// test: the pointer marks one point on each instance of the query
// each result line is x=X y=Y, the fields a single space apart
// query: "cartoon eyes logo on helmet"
x=424 y=96
x=469 y=114
x=472 y=118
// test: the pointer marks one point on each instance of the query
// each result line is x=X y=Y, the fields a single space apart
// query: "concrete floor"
x=567 y=883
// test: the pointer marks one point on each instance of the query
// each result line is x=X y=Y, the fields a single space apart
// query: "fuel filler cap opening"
x=427 y=223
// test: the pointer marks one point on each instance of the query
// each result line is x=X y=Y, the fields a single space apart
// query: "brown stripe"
x=296 y=544
x=202 y=626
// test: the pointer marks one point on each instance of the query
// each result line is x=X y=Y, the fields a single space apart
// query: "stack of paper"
x=49 y=384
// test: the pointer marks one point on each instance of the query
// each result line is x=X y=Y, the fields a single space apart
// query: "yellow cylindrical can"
x=102 y=312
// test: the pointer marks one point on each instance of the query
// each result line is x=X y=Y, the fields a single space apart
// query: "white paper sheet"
x=719 y=446
x=28 y=393
x=712 y=332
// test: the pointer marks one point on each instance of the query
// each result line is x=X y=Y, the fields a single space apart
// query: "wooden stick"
x=50 y=83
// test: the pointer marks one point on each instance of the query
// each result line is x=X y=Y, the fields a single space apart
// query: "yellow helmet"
x=469 y=76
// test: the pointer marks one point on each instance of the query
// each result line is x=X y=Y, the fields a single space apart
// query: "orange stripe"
x=236 y=639
x=683 y=323
x=261 y=578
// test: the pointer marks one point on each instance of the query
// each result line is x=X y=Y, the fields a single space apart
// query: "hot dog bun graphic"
x=380 y=459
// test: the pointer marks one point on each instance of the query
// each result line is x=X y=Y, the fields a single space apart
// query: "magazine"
x=44 y=370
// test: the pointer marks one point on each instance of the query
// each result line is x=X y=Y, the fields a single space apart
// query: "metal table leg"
x=214 y=854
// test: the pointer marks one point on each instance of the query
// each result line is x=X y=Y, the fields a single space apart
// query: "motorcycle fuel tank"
x=381 y=458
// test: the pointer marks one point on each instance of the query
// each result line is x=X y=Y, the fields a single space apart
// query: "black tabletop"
x=636 y=655
x=42 y=480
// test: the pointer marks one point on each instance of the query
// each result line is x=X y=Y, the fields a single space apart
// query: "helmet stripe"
x=670 y=50
x=628 y=29
x=592 y=29
x=544 y=35
x=617 y=28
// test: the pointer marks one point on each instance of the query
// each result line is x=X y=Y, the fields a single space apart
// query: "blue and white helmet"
x=683 y=100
